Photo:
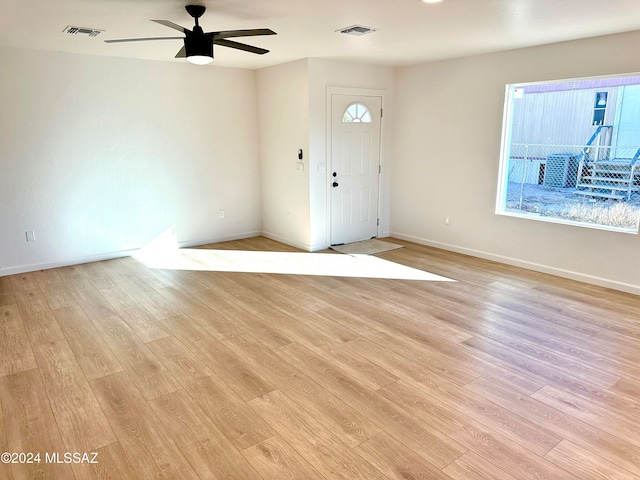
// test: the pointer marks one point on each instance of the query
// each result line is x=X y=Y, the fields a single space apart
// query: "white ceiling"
x=409 y=31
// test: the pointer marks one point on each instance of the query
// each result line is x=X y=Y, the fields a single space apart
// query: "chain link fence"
x=592 y=184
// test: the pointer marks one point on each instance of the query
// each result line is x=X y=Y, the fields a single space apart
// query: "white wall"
x=283 y=112
x=99 y=155
x=329 y=73
x=447 y=131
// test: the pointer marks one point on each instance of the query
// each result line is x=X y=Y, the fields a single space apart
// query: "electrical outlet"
x=447 y=220
x=31 y=236
x=221 y=213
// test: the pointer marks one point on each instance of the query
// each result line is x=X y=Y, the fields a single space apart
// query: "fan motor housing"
x=198 y=45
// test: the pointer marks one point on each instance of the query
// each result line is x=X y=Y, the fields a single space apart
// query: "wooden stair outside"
x=611 y=179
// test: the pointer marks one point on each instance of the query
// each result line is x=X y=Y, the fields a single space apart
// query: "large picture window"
x=570 y=152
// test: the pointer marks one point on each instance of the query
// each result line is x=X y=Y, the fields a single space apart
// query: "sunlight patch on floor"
x=290 y=263
x=164 y=253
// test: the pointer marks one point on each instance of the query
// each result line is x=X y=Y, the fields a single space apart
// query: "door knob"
x=335 y=184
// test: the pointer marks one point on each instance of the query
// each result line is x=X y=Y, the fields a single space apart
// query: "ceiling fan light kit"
x=198 y=45
x=200 y=59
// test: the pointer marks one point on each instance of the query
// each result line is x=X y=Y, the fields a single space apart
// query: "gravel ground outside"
x=564 y=203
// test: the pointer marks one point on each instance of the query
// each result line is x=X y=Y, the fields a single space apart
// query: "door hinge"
x=381 y=112
x=379 y=168
x=378 y=222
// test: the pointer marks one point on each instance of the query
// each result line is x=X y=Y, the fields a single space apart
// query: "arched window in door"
x=356 y=113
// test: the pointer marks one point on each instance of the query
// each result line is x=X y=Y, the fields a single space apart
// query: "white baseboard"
x=272 y=236
x=111 y=255
x=66 y=262
x=560 y=272
x=319 y=246
x=239 y=236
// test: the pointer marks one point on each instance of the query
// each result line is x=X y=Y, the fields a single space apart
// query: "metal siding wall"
x=565 y=116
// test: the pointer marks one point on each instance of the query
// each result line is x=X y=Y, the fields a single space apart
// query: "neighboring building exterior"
x=560 y=118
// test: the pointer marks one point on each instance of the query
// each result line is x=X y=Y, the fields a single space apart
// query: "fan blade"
x=239 y=46
x=119 y=40
x=169 y=24
x=182 y=53
x=242 y=33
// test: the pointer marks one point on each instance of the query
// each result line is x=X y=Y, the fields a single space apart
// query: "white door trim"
x=329 y=164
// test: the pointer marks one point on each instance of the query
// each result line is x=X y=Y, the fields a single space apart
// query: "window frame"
x=357 y=119
x=504 y=159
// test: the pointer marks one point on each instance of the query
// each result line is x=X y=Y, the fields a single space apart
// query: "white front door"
x=355 y=163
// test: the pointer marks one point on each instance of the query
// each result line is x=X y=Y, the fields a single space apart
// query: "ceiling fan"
x=198 y=45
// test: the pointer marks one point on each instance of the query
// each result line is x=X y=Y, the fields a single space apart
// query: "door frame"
x=329 y=166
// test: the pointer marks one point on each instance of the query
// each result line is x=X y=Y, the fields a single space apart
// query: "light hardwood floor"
x=178 y=374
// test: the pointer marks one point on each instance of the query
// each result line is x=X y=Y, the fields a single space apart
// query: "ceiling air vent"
x=89 y=32
x=356 y=30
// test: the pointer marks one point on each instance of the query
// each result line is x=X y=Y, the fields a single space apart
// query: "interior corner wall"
x=447 y=135
x=292 y=115
x=99 y=155
x=330 y=73
x=283 y=119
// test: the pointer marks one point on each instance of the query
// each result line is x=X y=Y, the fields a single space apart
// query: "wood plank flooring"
x=174 y=374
